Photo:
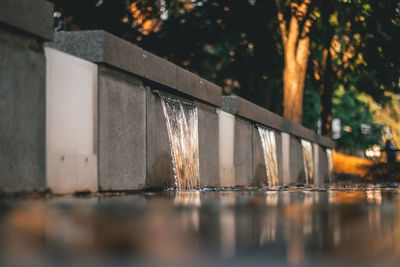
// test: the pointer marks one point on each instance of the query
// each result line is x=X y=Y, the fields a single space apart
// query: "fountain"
x=269 y=149
x=308 y=161
x=329 y=155
x=181 y=118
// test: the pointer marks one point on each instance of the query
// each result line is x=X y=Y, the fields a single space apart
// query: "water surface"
x=295 y=226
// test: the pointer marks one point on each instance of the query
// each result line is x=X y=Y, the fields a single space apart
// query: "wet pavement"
x=348 y=226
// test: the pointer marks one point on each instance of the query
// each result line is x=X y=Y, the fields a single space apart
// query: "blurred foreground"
x=357 y=225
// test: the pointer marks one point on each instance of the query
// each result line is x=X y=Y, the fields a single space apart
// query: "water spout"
x=308 y=161
x=181 y=119
x=269 y=148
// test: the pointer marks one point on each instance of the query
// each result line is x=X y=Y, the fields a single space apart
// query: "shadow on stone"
x=163 y=173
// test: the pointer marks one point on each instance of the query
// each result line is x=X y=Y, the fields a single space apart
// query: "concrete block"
x=316 y=151
x=299 y=131
x=122 y=132
x=102 y=47
x=208 y=146
x=71 y=124
x=285 y=158
x=159 y=70
x=30 y=16
x=22 y=109
x=325 y=141
x=243 y=152
x=323 y=166
x=226 y=148
x=241 y=107
x=122 y=54
x=191 y=84
x=297 y=174
x=159 y=161
x=279 y=152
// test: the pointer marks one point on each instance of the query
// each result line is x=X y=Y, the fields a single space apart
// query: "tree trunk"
x=296 y=44
x=293 y=88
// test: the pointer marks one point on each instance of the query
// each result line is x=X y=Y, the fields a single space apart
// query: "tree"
x=295 y=29
x=356 y=46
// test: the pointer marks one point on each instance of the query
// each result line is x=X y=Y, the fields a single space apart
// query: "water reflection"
x=197 y=228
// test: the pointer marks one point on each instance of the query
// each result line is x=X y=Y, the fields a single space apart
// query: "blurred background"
x=352 y=78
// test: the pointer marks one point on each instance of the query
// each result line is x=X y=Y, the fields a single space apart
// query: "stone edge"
x=100 y=46
x=237 y=105
x=31 y=16
x=241 y=107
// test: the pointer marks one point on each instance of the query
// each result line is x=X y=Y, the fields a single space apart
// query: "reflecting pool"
x=298 y=226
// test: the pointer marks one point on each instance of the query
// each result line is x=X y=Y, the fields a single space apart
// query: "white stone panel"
x=71 y=123
x=226 y=148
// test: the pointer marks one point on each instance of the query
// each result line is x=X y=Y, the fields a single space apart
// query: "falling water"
x=330 y=163
x=181 y=119
x=269 y=149
x=308 y=161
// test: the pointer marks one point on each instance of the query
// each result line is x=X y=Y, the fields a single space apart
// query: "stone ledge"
x=239 y=106
x=325 y=141
x=102 y=47
x=31 y=16
x=300 y=131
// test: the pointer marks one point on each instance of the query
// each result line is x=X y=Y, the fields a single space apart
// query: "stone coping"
x=241 y=107
x=31 y=16
x=100 y=46
x=300 y=131
x=325 y=141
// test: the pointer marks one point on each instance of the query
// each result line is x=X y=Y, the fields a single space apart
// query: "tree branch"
x=282 y=23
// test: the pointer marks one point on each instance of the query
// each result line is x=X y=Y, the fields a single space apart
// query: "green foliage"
x=353 y=110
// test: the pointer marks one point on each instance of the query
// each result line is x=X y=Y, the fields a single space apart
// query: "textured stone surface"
x=238 y=106
x=122 y=132
x=299 y=131
x=102 y=47
x=324 y=173
x=248 y=110
x=243 y=152
x=31 y=16
x=208 y=147
x=159 y=162
x=325 y=141
x=22 y=109
x=285 y=158
x=296 y=161
x=193 y=85
x=279 y=152
x=158 y=70
x=316 y=151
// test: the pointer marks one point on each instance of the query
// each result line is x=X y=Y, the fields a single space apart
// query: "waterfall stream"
x=181 y=119
x=269 y=148
x=308 y=161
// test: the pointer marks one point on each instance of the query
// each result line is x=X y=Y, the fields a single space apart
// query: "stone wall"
x=119 y=139
x=134 y=150
x=288 y=136
x=24 y=26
